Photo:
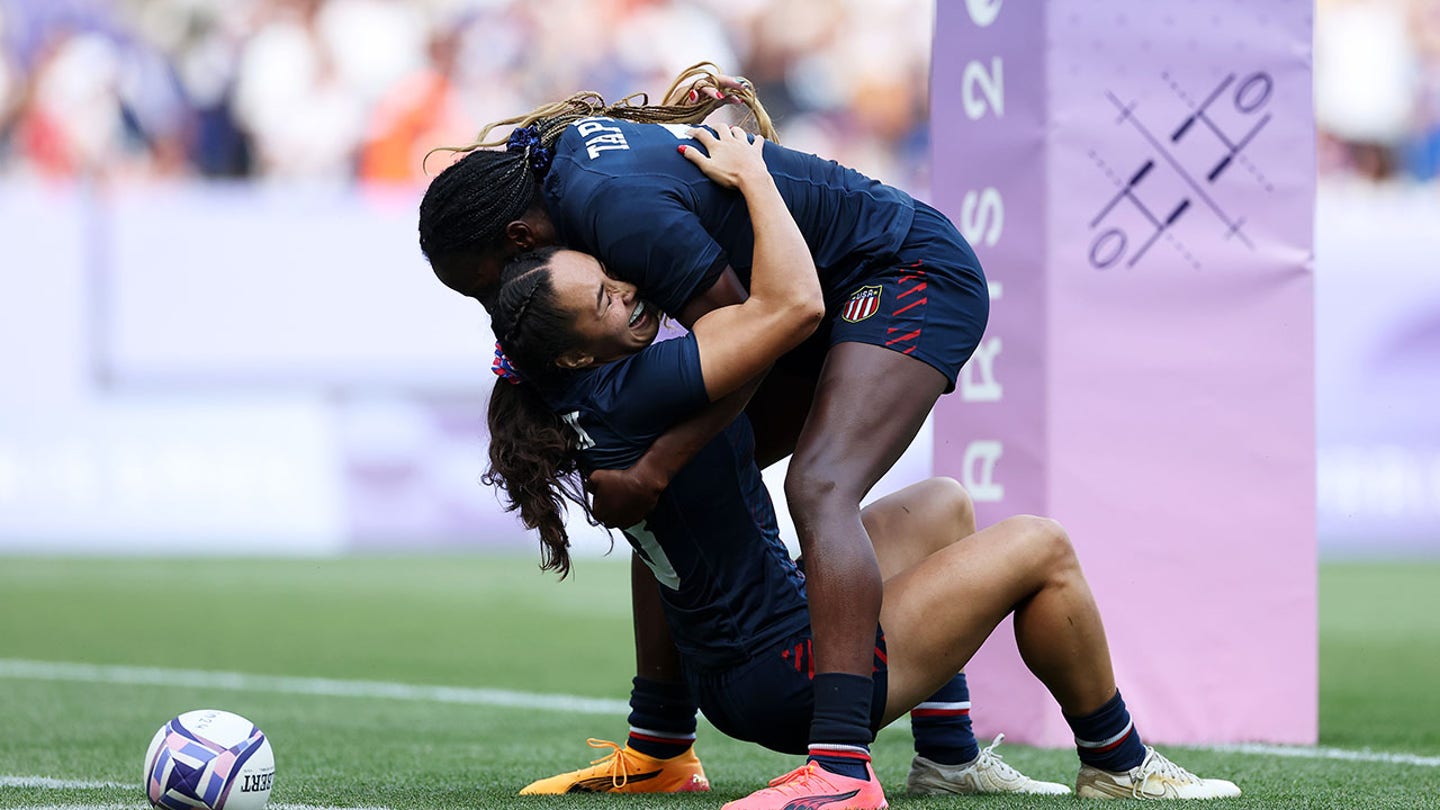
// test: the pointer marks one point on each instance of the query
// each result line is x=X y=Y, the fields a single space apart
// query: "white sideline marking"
x=47 y=783
x=58 y=784
x=146 y=806
x=140 y=806
x=21 y=669
x=151 y=676
x=1308 y=752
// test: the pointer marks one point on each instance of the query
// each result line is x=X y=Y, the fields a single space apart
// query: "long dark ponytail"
x=532 y=451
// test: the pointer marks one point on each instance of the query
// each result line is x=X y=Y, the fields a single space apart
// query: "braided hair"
x=467 y=206
x=532 y=451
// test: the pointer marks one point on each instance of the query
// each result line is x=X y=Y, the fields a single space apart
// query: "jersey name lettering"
x=582 y=439
x=599 y=136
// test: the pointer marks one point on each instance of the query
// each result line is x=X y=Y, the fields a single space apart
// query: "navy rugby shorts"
x=770 y=698
x=928 y=301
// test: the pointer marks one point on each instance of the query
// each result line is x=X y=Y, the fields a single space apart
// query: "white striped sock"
x=663 y=735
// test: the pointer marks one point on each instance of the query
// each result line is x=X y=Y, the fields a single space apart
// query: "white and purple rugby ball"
x=209 y=759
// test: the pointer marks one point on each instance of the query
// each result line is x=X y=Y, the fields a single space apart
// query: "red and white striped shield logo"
x=862 y=304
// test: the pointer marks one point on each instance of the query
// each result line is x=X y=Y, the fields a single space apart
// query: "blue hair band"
x=526 y=141
x=503 y=368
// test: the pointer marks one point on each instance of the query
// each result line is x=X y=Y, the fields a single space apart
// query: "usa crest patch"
x=863 y=303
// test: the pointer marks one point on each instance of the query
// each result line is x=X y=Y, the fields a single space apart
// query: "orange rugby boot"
x=625 y=770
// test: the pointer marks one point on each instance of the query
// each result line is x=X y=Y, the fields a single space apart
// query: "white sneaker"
x=987 y=773
x=1154 y=778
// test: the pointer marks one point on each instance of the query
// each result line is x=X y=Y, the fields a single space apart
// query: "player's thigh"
x=909 y=525
x=869 y=405
x=937 y=613
x=897 y=343
x=779 y=408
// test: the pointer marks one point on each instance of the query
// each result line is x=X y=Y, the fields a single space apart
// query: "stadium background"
x=217 y=336
x=244 y=175
x=221 y=337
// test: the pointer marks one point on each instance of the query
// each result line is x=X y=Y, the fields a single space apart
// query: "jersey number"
x=582 y=439
x=644 y=542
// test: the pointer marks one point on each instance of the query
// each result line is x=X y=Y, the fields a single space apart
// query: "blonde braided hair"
x=550 y=120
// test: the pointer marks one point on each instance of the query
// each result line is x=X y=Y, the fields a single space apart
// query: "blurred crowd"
x=1377 y=88
x=326 y=90
x=333 y=90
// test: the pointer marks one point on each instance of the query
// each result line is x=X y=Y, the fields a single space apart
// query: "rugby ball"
x=211 y=760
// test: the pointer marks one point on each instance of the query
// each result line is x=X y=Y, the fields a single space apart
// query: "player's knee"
x=1057 y=541
x=811 y=488
x=1050 y=543
x=956 y=500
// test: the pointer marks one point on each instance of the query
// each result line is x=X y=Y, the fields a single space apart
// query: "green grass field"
x=496 y=623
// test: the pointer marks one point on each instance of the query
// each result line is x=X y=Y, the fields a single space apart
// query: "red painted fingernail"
x=680 y=149
x=694 y=95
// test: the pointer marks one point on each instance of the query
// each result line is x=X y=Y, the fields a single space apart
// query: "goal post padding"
x=1138 y=180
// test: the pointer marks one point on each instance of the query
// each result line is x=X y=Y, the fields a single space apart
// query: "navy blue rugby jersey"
x=622 y=192
x=729 y=586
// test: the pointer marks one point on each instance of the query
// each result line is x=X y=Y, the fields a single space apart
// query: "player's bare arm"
x=624 y=497
x=736 y=343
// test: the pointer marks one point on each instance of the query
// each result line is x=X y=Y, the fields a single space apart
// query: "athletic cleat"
x=811 y=787
x=1154 y=778
x=987 y=773
x=625 y=770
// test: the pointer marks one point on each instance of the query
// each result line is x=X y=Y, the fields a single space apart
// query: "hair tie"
x=526 y=141
x=503 y=368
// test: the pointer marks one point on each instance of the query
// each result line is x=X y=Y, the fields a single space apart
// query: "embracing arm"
x=788 y=309
x=622 y=498
x=786 y=304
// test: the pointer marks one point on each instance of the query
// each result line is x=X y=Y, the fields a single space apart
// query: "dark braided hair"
x=532 y=451
x=467 y=206
x=527 y=318
x=464 y=213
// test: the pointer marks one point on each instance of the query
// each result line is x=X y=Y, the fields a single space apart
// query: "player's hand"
x=622 y=498
x=734 y=160
x=723 y=87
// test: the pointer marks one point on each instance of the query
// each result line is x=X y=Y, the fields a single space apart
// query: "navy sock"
x=662 y=718
x=1107 y=738
x=845 y=760
x=941 y=725
x=840 y=730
